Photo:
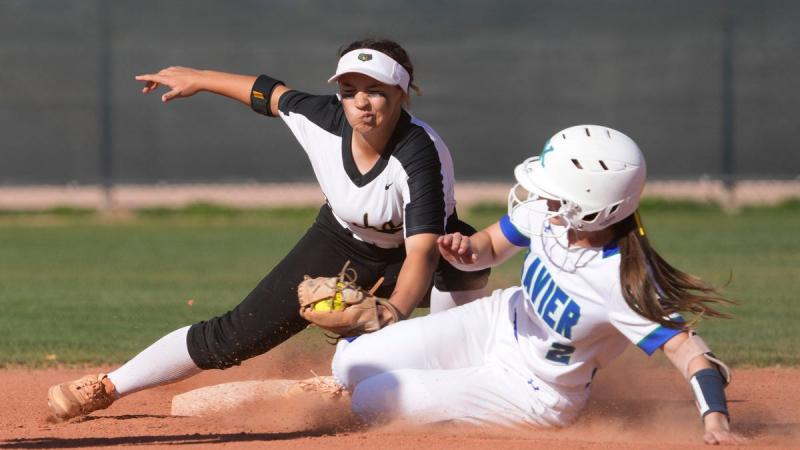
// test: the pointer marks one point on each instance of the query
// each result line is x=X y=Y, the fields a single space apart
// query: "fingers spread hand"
x=183 y=82
x=170 y=95
x=152 y=82
x=149 y=87
x=147 y=77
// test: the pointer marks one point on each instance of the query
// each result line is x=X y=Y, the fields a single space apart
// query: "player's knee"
x=212 y=345
x=340 y=365
x=376 y=399
x=204 y=350
x=351 y=364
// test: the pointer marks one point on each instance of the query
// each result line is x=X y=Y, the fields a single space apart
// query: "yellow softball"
x=326 y=305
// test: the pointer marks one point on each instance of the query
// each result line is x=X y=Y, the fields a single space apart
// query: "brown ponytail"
x=662 y=290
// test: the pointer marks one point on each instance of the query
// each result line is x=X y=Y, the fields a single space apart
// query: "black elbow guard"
x=261 y=93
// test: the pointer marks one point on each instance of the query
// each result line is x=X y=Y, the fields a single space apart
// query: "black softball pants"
x=270 y=314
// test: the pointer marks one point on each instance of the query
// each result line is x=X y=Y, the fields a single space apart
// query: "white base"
x=229 y=396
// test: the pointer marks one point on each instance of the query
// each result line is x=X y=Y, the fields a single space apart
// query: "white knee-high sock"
x=165 y=361
x=441 y=301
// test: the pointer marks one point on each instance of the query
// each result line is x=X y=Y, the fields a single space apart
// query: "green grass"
x=80 y=288
x=758 y=251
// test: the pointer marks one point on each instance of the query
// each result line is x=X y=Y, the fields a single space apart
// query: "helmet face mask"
x=596 y=173
x=532 y=204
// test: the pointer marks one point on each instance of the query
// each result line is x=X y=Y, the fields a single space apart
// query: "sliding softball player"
x=591 y=283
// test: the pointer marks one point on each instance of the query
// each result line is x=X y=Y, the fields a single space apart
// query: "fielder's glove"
x=338 y=305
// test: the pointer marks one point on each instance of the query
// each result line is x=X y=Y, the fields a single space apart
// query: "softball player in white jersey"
x=590 y=284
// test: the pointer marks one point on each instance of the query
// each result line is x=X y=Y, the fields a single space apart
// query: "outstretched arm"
x=414 y=279
x=679 y=350
x=185 y=82
x=486 y=248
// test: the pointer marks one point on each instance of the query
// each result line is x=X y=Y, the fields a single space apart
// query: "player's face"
x=369 y=105
x=554 y=206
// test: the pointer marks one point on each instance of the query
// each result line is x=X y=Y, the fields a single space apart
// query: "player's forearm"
x=229 y=85
x=414 y=279
x=490 y=248
x=673 y=349
x=707 y=383
x=412 y=285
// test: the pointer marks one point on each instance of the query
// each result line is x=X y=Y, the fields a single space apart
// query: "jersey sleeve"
x=514 y=235
x=309 y=115
x=646 y=334
x=425 y=206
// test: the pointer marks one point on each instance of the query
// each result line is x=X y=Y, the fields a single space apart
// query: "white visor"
x=373 y=64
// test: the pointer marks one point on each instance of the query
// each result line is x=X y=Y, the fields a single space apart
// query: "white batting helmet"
x=597 y=173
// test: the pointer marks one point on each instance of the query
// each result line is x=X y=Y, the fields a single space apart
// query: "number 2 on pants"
x=560 y=353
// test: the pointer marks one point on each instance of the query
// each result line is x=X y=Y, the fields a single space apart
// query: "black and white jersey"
x=409 y=190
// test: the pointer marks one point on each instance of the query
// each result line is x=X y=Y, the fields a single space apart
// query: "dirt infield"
x=635 y=403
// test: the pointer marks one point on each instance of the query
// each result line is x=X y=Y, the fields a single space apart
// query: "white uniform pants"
x=462 y=365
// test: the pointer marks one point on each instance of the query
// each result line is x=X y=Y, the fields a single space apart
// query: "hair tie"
x=638 y=222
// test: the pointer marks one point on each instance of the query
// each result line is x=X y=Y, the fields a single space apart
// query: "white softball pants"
x=462 y=365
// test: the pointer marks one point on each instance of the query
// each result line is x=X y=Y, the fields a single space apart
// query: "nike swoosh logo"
x=387 y=186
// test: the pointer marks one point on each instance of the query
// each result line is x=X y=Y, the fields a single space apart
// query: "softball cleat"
x=81 y=397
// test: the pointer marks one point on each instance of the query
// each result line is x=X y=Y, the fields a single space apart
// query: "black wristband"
x=261 y=93
x=709 y=392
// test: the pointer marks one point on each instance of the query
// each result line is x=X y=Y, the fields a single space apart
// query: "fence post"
x=104 y=104
x=728 y=112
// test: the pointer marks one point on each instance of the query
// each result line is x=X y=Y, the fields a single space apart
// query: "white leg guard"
x=441 y=301
x=165 y=361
